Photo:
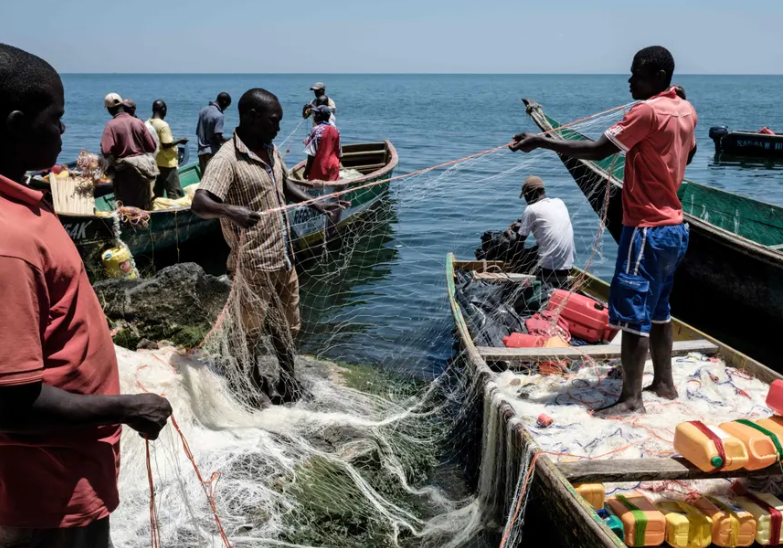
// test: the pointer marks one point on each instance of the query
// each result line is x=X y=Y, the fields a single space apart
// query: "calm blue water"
x=390 y=307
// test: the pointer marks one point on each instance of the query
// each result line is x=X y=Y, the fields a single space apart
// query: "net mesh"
x=373 y=452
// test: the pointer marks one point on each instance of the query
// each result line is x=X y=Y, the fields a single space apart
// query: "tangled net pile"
x=361 y=460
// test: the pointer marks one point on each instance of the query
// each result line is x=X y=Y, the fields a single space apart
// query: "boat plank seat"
x=648 y=469
x=369 y=168
x=598 y=351
x=502 y=276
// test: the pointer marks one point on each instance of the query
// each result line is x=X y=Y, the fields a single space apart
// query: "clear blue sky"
x=355 y=36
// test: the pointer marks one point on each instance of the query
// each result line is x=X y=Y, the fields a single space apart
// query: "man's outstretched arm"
x=582 y=150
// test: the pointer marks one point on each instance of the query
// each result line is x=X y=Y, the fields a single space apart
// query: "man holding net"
x=245 y=186
x=60 y=407
x=657 y=135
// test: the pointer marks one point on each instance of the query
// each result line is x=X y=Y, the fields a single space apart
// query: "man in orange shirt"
x=657 y=136
x=60 y=408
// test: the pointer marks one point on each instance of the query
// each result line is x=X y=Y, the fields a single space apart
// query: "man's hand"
x=244 y=217
x=515 y=227
x=148 y=414
x=526 y=142
x=333 y=209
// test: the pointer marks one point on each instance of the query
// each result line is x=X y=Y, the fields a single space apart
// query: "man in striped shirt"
x=243 y=183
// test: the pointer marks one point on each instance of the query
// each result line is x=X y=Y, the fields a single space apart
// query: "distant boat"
x=747 y=144
x=732 y=275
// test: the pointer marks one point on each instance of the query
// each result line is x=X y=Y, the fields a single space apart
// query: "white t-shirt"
x=550 y=224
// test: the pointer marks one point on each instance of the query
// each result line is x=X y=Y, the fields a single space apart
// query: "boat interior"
x=362 y=157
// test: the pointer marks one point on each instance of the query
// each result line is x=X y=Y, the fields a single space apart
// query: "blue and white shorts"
x=644 y=275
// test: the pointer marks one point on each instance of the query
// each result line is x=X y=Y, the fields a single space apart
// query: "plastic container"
x=732 y=526
x=593 y=493
x=557 y=367
x=766 y=509
x=773 y=424
x=762 y=451
x=118 y=263
x=775 y=397
x=708 y=447
x=686 y=526
x=587 y=318
x=643 y=524
x=523 y=340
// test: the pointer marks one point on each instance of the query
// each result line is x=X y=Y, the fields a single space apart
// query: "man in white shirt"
x=549 y=222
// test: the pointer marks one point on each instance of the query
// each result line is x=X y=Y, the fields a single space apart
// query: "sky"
x=398 y=36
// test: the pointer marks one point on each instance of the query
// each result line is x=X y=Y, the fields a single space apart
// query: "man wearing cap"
x=322 y=147
x=128 y=146
x=549 y=222
x=210 y=129
x=319 y=89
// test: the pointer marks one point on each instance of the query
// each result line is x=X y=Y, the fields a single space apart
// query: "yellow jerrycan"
x=732 y=525
x=708 y=447
x=763 y=445
x=686 y=526
x=593 y=493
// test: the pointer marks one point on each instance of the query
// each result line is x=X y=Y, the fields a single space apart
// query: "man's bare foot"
x=663 y=390
x=620 y=408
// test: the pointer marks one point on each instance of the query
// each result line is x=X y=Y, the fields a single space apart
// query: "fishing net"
x=394 y=440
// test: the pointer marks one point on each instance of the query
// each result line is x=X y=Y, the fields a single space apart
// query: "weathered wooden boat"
x=555 y=510
x=731 y=280
x=746 y=144
x=374 y=161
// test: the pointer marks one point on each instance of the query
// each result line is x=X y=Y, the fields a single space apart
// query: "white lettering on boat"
x=77 y=231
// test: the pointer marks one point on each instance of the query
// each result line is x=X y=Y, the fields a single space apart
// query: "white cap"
x=112 y=100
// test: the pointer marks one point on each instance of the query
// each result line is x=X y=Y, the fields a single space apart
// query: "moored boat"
x=731 y=280
x=362 y=166
x=747 y=144
x=555 y=507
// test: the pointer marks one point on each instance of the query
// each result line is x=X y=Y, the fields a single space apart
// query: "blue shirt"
x=210 y=122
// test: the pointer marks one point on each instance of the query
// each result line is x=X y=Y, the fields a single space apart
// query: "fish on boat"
x=364 y=172
x=362 y=164
x=731 y=280
x=555 y=505
x=760 y=145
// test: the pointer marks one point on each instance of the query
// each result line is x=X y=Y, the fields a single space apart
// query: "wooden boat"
x=746 y=144
x=554 y=504
x=375 y=162
x=731 y=280
x=170 y=227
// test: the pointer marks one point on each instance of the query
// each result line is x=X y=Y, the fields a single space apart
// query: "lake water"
x=390 y=306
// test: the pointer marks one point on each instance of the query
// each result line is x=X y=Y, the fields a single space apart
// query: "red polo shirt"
x=52 y=330
x=657 y=135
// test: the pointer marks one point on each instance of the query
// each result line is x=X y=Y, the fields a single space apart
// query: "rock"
x=146 y=344
x=179 y=304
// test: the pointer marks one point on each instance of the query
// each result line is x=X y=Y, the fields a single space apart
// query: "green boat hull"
x=731 y=280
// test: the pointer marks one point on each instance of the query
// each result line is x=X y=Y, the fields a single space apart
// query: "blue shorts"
x=644 y=276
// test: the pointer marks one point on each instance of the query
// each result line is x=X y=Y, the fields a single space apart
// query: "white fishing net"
x=374 y=453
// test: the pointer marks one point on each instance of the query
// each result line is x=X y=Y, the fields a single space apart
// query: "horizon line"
x=400 y=74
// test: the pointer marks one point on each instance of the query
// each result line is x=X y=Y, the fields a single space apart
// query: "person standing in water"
x=322 y=147
x=167 y=157
x=246 y=178
x=658 y=137
x=60 y=402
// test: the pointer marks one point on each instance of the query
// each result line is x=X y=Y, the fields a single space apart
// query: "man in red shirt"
x=60 y=407
x=322 y=147
x=657 y=136
x=129 y=146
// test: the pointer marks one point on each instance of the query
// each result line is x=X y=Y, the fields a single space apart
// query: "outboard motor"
x=717 y=134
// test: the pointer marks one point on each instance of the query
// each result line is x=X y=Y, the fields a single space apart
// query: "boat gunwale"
x=774 y=257
x=372 y=176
